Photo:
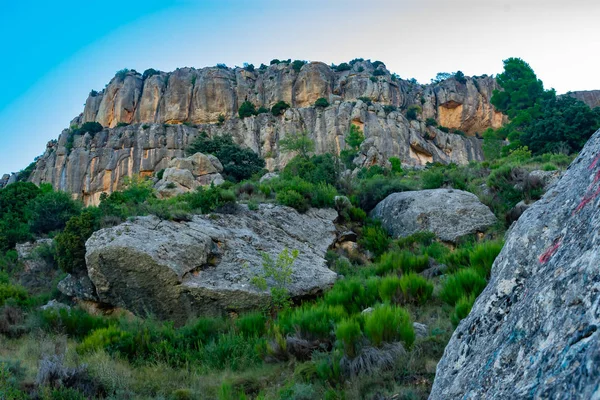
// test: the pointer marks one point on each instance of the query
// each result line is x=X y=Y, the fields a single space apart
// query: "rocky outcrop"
x=589 y=97
x=533 y=332
x=187 y=174
x=450 y=214
x=176 y=271
x=98 y=163
x=167 y=110
x=201 y=95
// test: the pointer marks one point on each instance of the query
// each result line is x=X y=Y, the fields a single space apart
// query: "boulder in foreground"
x=177 y=270
x=533 y=332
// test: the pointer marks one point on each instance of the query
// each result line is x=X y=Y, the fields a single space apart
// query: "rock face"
x=533 y=332
x=186 y=174
x=168 y=110
x=450 y=214
x=589 y=97
x=201 y=95
x=176 y=271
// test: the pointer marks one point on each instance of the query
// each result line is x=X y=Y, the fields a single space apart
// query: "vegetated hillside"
x=379 y=331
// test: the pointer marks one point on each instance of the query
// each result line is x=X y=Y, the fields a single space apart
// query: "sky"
x=55 y=52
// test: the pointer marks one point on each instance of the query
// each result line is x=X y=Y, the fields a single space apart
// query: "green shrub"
x=549 y=167
x=76 y=322
x=70 y=243
x=343 y=67
x=375 y=239
x=460 y=77
x=251 y=324
x=311 y=322
x=280 y=272
x=430 y=122
x=238 y=163
x=247 y=109
x=298 y=64
x=432 y=179
x=373 y=79
x=483 y=255
x=150 y=72
x=321 y=168
x=321 y=102
x=369 y=192
x=396 y=165
x=404 y=261
x=379 y=72
x=410 y=288
x=354 y=294
x=464 y=282
x=412 y=112
x=389 y=324
x=462 y=309
x=279 y=108
x=109 y=339
x=415 y=289
x=299 y=142
x=348 y=332
x=416 y=240
x=262 y=110
x=51 y=211
x=323 y=195
x=122 y=73
x=366 y=100
x=14 y=292
x=293 y=199
x=209 y=199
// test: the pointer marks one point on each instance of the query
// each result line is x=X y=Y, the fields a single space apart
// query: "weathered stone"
x=589 y=97
x=421 y=330
x=450 y=214
x=197 y=97
x=55 y=306
x=204 y=267
x=533 y=332
x=268 y=176
x=78 y=286
x=548 y=178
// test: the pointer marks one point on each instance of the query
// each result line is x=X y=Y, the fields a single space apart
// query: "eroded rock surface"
x=533 y=332
x=449 y=213
x=180 y=270
x=187 y=174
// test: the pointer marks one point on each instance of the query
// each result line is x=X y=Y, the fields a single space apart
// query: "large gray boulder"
x=533 y=332
x=180 y=270
x=448 y=213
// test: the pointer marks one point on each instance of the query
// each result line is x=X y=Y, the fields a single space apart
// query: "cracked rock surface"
x=178 y=270
x=533 y=332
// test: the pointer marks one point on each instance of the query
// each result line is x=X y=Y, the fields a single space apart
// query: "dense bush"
x=403 y=260
x=279 y=108
x=379 y=72
x=51 y=211
x=410 y=288
x=369 y=192
x=14 y=200
x=238 y=163
x=321 y=168
x=483 y=255
x=343 y=67
x=389 y=324
x=412 y=112
x=312 y=322
x=321 y=102
x=70 y=243
x=354 y=294
x=375 y=239
x=462 y=309
x=462 y=283
x=349 y=333
x=460 y=77
x=298 y=64
x=247 y=109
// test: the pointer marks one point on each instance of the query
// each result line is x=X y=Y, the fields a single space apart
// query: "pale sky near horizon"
x=56 y=52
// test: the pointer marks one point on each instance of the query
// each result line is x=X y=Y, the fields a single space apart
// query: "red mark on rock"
x=595 y=161
x=546 y=255
x=586 y=200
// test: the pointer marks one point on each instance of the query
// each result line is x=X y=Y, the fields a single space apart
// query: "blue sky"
x=55 y=52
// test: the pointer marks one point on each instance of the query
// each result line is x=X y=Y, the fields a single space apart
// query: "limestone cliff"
x=166 y=111
x=589 y=97
x=200 y=95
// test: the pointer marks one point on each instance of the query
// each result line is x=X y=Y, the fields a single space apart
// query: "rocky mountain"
x=589 y=97
x=166 y=111
x=533 y=332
